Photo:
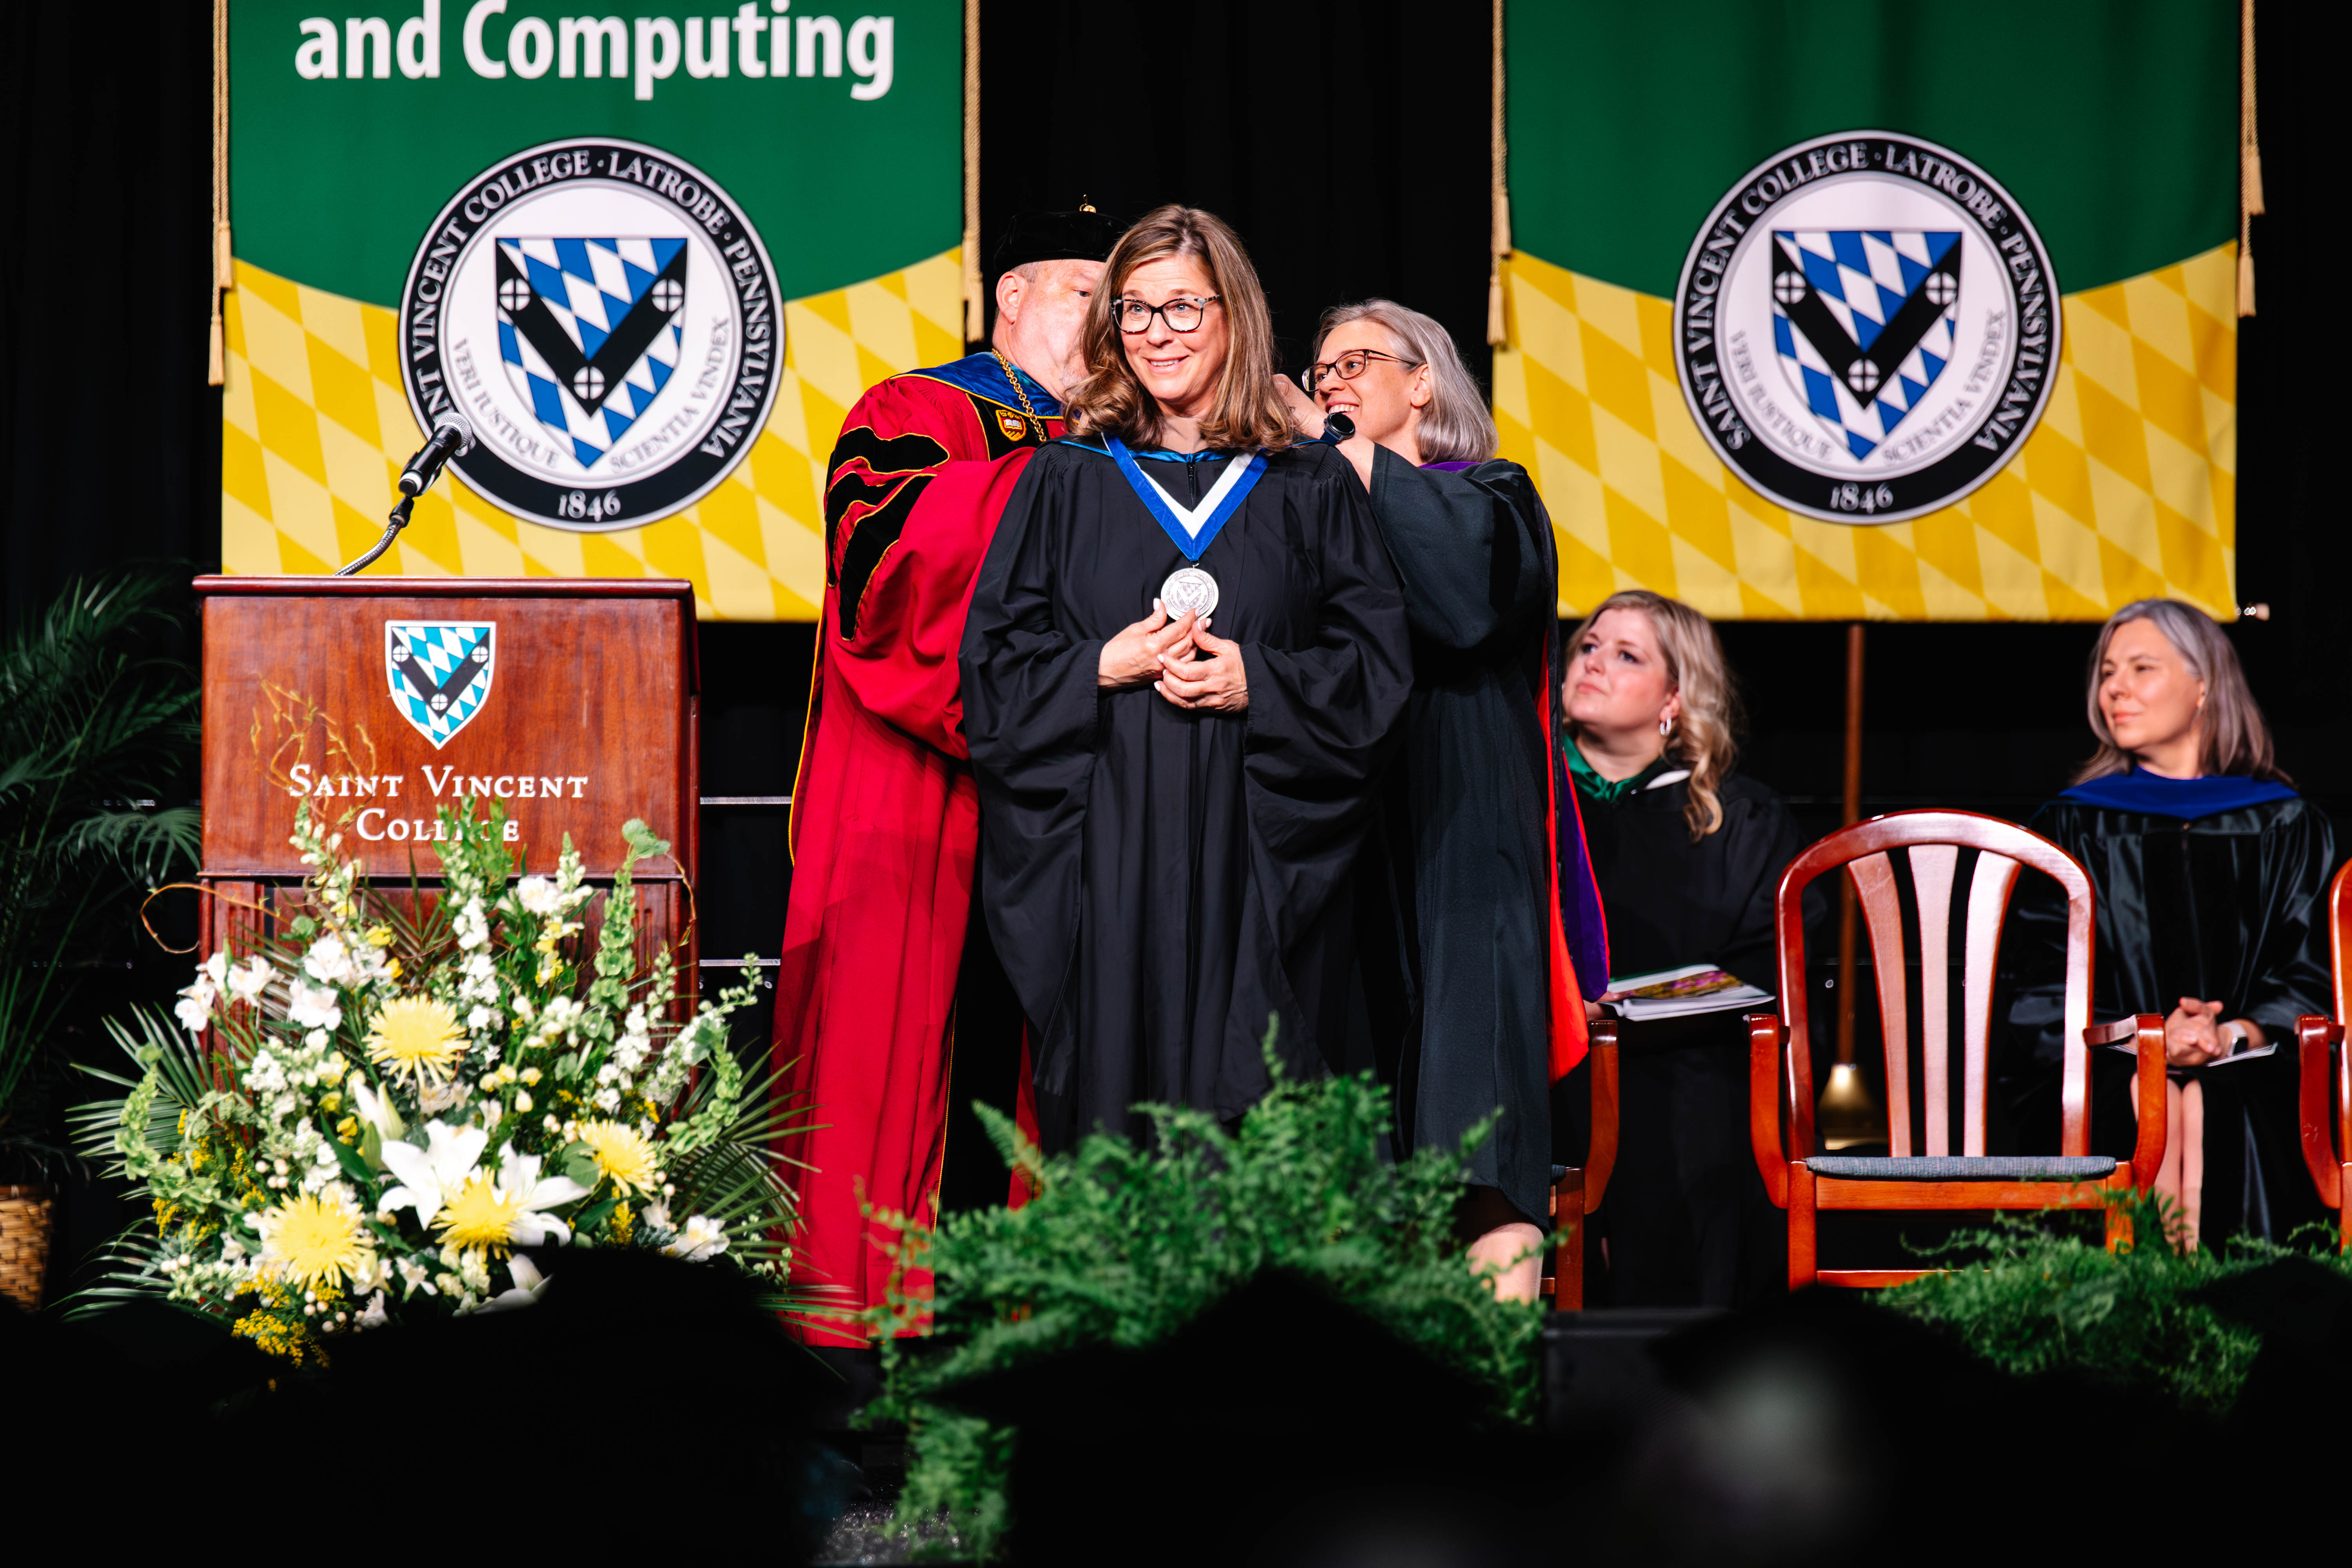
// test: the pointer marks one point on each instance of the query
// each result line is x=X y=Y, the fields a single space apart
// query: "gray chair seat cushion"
x=1956 y=1168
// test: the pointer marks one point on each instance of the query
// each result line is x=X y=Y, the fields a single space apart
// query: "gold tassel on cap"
x=1499 y=242
x=976 y=308
x=224 y=267
x=2250 y=160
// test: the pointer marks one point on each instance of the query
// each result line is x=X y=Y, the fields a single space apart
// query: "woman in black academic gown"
x=2211 y=876
x=1170 y=815
x=1457 y=932
x=1688 y=856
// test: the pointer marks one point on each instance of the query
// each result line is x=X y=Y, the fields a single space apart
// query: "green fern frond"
x=1125 y=1243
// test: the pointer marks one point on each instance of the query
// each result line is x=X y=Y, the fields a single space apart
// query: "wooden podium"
x=572 y=704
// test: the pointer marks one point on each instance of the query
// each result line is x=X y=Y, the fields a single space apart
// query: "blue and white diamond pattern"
x=1864 y=276
x=440 y=673
x=588 y=286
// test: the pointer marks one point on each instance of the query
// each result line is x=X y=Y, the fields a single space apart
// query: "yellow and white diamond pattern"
x=2125 y=490
x=315 y=429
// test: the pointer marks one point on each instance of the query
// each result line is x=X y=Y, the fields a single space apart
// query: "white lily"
x=375 y=1317
x=702 y=1237
x=377 y=1110
x=430 y=1176
x=521 y=1183
x=530 y=1284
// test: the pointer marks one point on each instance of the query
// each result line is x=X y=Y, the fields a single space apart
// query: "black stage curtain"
x=109 y=443
x=1347 y=142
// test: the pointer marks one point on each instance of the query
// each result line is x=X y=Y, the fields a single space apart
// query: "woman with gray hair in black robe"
x=1457 y=912
x=2211 y=876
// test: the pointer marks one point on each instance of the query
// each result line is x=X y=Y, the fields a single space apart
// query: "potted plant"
x=95 y=729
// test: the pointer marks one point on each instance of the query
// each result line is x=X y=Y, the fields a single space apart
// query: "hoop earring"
x=1665 y=726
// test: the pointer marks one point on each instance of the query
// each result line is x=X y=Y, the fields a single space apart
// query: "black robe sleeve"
x=1473 y=551
x=1469 y=870
x=1321 y=714
x=2291 y=974
x=1030 y=706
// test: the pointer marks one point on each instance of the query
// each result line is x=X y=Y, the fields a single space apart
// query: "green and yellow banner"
x=1852 y=309
x=651 y=258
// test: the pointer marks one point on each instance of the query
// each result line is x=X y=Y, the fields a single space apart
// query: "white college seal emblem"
x=1866 y=327
x=607 y=320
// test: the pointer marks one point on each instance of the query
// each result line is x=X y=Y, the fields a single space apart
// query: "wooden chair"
x=1780 y=1063
x=1576 y=1191
x=2326 y=1071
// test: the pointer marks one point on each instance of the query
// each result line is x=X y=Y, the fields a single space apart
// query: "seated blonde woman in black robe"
x=1475 y=999
x=1689 y=856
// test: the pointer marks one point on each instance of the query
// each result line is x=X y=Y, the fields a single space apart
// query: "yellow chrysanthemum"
x=480 y=1215
x=626 y=1157
x=417 y=1035
x=314 y=1240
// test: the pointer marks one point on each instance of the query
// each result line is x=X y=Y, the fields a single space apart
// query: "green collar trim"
x=1610 y=792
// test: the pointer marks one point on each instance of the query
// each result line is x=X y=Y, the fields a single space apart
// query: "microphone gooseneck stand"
x=451 y=437
x=392 y=531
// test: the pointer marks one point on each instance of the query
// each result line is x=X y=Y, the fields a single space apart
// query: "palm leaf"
x=91 y=725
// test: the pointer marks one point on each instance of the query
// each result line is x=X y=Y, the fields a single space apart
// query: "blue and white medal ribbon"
x=1190 y=528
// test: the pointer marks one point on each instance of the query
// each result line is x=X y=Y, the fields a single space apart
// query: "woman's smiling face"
x=1179 y=369
x=1386 y=398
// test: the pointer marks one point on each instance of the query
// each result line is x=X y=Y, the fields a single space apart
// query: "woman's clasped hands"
x=1163 y=652
x=2195 y=1034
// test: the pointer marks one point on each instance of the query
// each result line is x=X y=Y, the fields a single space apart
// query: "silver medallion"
x=1188 y=588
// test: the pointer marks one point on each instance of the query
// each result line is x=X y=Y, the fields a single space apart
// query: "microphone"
x=452 y=437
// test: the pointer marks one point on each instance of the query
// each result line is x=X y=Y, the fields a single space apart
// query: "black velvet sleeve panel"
x=2228 y=908
x=1473 y=551
x=1672 y=903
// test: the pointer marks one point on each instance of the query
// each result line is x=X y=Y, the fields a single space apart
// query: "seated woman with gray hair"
x=2211 y=875
x=1458 y=913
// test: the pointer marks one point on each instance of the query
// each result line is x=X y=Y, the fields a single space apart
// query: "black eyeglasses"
x=1182 y=314
x=1348 y=366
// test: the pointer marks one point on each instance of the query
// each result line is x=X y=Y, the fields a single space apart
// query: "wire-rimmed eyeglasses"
x=1183 y=314
x=1348 y=366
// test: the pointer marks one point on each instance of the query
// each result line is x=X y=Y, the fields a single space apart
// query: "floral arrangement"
x=372 y=1116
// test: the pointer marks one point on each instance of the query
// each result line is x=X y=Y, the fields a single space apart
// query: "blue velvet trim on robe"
x=982 y=377
x=2151 y=795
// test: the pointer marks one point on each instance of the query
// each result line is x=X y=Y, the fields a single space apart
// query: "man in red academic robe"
x=876 y=1001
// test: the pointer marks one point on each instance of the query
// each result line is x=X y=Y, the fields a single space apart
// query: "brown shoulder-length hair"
x=2237 y=741
x=1248 y=413
x=1703 y=739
